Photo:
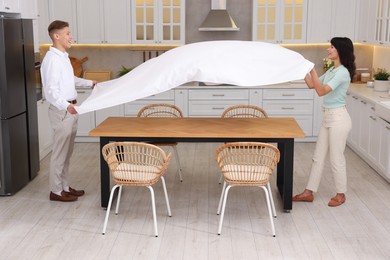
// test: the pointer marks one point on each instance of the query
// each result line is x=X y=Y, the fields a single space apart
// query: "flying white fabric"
x=241 y=63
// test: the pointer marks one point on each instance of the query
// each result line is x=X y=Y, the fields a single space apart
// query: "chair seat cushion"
x=251 y=174
x=126 y=172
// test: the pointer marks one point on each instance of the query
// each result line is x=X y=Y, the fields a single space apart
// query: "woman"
x=336 y=122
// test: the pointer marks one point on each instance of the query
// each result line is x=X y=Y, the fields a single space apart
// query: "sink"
x=382 y=109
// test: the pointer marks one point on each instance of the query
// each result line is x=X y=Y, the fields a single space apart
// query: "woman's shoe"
x=336 y=201
x=304 y=197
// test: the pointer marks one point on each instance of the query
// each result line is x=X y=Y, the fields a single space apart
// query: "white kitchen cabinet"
x=132 y=108
x=331 y=18
x=10 y=6
x=364 y=113
x=382 y=21
x=103 y=21
x=181 y=100
x=28 y=9
x=43 y=21
x=279 y=21
x=297 y=103
x=158 y=22
x=353 y=109
x=86 y=121
x=366 y=22
x=256 y=97
x=45 y=132
x=384 y=148
x=374 y=136
x=212 y=102
x=65 y=11
x=102 y=114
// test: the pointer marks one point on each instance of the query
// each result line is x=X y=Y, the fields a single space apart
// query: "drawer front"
x=292 y=107
x=211 y=109
x=132 y=108
x=167 y=95
x=218 y=94
x=305 y=123
x=288 y=94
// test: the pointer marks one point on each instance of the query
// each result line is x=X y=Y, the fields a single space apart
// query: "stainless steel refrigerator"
x=19 y=151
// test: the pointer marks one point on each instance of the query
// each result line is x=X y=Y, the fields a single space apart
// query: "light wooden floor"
x=32 y=227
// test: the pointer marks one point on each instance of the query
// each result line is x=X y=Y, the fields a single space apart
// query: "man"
x=59 y=87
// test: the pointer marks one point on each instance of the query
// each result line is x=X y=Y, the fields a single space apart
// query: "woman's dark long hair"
x=344 y=47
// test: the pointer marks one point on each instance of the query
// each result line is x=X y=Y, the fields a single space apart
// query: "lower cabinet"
x=370 y=135
x=86 y=121
x=45 y=132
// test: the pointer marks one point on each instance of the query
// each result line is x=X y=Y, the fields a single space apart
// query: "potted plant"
x=123 y=71
x=381 y=77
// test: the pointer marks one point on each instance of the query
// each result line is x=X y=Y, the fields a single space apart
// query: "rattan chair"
x=244 y=111
x=246 y=164
x=135 y=164
x=164 y=110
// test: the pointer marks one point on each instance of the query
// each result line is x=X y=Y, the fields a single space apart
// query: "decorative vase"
x=381 y=85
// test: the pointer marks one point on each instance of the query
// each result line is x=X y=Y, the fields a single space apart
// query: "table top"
x=199 y=127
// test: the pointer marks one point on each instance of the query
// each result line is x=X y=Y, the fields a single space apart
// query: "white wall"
x=381 y=57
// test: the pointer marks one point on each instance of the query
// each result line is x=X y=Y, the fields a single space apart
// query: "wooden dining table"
x=282 y=131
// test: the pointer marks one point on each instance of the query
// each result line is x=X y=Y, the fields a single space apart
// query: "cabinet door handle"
x=373 y=118
x=373 y=108
x=364 y=102
x=81 y=91
x=289 y=108
x=354 y=97
x=218 y=108
x=7 y=8
x=218 y=95
x=288 y=95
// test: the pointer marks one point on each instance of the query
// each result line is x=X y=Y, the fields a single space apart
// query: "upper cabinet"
x=366 y=24
x=279 y=21
x=158 y=21
x=10 y=6
x=65 y=11
x=112 y=25
x=382 y=21
x=331 y=18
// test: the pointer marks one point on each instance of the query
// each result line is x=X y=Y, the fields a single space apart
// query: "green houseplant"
x=381 y=77
x=123 y=71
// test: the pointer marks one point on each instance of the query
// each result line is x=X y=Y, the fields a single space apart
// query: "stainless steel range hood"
x=218 y=18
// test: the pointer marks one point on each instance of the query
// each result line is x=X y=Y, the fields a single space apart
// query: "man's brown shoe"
x=65 y=197
x=74 y=192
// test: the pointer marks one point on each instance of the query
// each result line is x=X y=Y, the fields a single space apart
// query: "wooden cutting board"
x=77 y=65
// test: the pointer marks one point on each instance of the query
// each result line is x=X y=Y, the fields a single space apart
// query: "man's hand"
x=71 y=109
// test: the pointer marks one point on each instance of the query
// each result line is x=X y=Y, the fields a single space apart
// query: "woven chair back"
x=135 y=163
x=244 y=111
x=247 y=163
x=160 y=110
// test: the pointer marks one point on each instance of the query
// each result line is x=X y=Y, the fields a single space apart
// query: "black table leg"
x=285 y=172
x=104 y=176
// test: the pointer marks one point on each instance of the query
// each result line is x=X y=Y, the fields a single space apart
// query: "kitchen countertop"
x=368 y=94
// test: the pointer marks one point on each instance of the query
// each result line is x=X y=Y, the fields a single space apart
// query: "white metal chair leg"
x=118 y=200
x=271 y=199
x=269 y=210
x=178 y=163
x=109 y=208
x=223 y=209
x=221 y=198
x=166 y=196
x=153 y=210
